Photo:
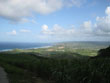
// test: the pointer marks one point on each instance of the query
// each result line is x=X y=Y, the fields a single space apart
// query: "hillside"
x=60 y=67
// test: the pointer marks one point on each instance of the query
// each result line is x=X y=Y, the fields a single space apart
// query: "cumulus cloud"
x=87 y=25
x=45 y=27
x=102 y=26
x=18 y=10
x=13 y=32
x=100 y=29
x=57 y=31
x=25 y=30
x=108 y=11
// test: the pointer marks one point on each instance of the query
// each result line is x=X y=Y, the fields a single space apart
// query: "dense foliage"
x=104 y=52
x=57 y=70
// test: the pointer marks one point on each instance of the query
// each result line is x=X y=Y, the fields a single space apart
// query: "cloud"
x=76 y=3
x=22 y=20
x=45 y=27
x=33 y=21
x=87 y=30
x=45 y=30
x=13 y=32
x=86 y=27
x=102 y=26
x=19 y=10
x=108 y=11
x=56 y=31
x=25 y=30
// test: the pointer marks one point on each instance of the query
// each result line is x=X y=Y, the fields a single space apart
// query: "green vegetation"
x=82 y=48
x=23 y=68
x=50 y=65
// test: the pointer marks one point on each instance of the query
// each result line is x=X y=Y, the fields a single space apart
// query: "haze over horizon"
x=54 y=20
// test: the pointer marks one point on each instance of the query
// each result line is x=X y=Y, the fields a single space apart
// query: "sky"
x=54 y=20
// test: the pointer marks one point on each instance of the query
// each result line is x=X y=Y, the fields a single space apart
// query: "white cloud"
x=45 y=27
x=13 y=32
x=45 y=30
x=102 y=26
x=108 y=11
x=18 y=10
x=87 y=25
x=57 y=31
x=87 y=30
x=25 y=30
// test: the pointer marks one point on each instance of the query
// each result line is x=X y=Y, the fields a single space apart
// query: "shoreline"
x=37 y=47
x=6 y=50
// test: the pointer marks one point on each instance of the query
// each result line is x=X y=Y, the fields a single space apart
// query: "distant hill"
x=85 y=44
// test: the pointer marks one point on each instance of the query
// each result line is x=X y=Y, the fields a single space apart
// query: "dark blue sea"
x=4 y=46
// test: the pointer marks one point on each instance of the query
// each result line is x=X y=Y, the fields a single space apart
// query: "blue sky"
x=54 y=20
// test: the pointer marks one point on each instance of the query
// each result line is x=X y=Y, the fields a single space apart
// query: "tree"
x=104 y=52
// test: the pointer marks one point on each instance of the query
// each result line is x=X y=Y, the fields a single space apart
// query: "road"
x=3 y=76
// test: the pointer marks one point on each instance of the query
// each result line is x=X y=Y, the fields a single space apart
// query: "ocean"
x=4 y=46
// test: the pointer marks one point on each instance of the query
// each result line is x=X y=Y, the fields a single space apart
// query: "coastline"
x=5 y=50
